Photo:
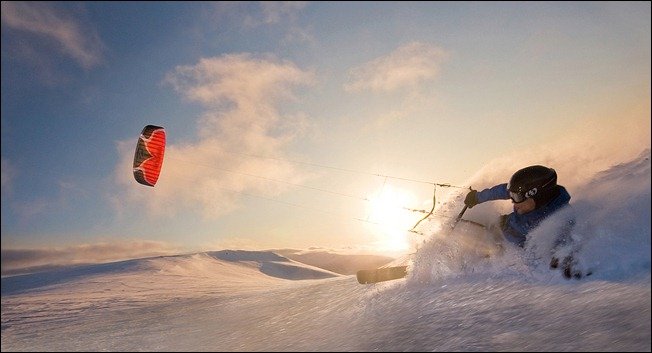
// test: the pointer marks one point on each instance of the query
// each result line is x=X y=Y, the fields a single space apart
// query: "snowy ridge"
x=346 y=264
x=226 y=268
x=273 y=264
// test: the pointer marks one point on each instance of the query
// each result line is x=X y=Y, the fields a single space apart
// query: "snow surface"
x=454 y=299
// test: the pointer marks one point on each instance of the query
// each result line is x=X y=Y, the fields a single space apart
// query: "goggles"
x=516 y=197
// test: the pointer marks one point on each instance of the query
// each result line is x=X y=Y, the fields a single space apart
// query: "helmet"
x=530 y=181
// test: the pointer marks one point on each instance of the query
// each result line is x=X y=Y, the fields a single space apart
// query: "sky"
x=301 y=124
x=454 y=297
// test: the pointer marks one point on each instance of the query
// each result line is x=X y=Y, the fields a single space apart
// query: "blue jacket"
x=517 y=226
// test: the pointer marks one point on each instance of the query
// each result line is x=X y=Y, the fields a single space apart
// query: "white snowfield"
x=243 y=301
x=454 y=298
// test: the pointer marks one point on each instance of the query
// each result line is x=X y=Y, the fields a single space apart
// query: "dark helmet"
x=532 y=182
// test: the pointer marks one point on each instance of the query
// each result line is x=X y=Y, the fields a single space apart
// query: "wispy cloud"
x=28 y=210
x=249 y=15
x=8 y=174
x=407 y=66
x=241 y=79
x=278 y=11
x=15 y=260
x=71 y=37
x=241 y=94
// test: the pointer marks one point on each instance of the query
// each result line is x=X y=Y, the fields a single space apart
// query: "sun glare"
x=392 y=221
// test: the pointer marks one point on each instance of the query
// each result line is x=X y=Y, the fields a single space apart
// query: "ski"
x=381 y=274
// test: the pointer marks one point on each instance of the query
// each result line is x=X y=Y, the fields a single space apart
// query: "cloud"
x=15 y=260
x=8 y=174
x=27 y=211
x=286 y=13
x=282 y=15
x=407 y=66
x=73 y=39
x=241 y=79
x=278 y=11
x=241 y=94
x=269 y=12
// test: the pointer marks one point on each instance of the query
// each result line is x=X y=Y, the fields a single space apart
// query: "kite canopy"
x=148 y=159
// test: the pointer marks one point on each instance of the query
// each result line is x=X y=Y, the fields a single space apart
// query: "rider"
x=535 y=195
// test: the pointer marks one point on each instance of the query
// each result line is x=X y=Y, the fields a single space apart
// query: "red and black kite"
x=148 y=159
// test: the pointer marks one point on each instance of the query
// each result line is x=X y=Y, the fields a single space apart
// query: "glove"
x=502 y=221
x=568 y=267
x=471 y=199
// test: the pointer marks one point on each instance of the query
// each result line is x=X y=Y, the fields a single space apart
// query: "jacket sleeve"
x=498 y=192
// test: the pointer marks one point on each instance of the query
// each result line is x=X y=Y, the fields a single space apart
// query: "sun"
x=392 y=220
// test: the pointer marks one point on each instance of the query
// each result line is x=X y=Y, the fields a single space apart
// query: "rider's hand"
x=471 y=199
